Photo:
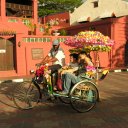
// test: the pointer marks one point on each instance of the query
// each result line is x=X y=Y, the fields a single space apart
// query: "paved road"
x=111 y=112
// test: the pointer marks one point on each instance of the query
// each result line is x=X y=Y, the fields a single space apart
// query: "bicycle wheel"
x=26 y=95
x=84 y=96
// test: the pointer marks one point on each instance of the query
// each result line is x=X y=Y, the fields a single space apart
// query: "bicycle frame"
x=48 y=84
x=38 y=87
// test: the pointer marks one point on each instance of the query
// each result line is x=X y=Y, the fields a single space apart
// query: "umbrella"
x=90 y=41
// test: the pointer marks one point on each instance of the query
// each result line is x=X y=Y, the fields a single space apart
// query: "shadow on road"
x=6 y=90
x=108 y=112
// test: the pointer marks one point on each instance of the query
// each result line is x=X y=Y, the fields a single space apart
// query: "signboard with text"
x=37 y=53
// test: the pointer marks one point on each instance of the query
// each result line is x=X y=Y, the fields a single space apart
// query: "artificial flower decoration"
x=90 y=41
x=91 y=70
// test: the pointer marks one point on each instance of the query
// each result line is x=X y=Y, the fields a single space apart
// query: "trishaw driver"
x=56 y=58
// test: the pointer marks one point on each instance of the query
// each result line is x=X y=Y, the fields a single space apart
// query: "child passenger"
x=73 y=65
x=71 y=68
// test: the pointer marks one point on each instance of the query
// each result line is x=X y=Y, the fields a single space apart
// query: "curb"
x=116 y=70
x=15 y=80
x=120 y=70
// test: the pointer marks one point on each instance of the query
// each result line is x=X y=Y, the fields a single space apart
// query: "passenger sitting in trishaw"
x=72 y=76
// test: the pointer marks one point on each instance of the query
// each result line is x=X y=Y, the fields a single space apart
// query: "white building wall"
x=105 y=9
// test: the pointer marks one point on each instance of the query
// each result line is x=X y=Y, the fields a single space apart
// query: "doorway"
x=7 y=59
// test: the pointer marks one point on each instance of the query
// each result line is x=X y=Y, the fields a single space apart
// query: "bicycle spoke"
x=84 y=96
x=26 y=95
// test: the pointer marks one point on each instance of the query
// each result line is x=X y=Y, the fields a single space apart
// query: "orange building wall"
x=30 y=63
x=120 y=35
x=115 y=28
x=25 y=62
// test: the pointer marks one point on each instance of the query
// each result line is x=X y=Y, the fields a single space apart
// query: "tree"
x=47 y=7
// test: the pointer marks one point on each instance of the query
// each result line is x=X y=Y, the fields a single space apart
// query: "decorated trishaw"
x=83 y=96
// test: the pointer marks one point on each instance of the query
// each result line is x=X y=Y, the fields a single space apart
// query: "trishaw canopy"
x=89 y=41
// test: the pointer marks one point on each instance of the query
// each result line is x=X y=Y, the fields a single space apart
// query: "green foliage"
x=47 y=30
x=31 y=26
x=55 y=6
x=63 y=32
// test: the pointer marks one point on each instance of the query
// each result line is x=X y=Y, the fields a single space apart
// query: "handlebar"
x=39 y=69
